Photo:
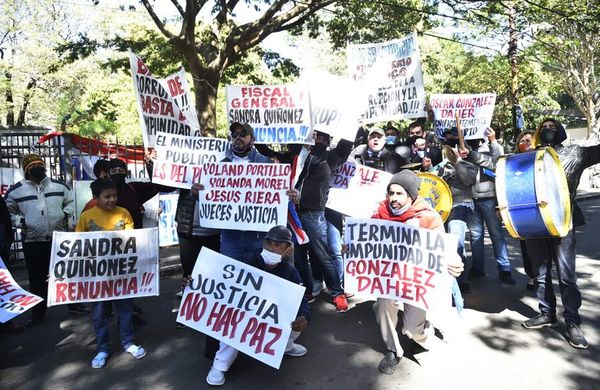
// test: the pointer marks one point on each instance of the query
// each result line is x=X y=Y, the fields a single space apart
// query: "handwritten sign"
x=167 y=227
x=8 y=177
x=180 y=158
x=103 y=265
x=356 y=190
x=13 y=299
x=244 y=196
x=277 y=113
x=475 y=112
x=397 y=261
x=157 y=107
x=391 y=74
x=242 y=306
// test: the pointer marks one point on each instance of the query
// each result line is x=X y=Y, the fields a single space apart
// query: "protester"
x=524 y=144
x=561 y=251
x=392 y=137
x=274 y=258
x=375 y=155
x=403 y=204
x=312 y=191
x=107 y=216
x=460 y=176
x=101 y=169
x=39 y=206
x=484 y=155
x=425 y=154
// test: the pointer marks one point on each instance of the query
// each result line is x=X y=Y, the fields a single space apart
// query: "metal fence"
x=68 y=157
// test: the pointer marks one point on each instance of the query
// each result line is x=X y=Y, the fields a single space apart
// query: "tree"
x=210 y=48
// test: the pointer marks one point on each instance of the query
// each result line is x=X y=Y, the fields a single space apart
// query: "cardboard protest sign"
x=244 y=196
x=179 y=158
x=158 y=109
x=180 y=91
x=167 y=228
x=277 y=113
x=393 y=260
x=13 y=299
x=103 y=265
x=475 y=112
x=335 y=104
x=391 y=74
x=356 y=190
x=8 y=177
x=240 y=305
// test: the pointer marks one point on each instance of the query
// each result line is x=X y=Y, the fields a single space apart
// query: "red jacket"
x=420 y=209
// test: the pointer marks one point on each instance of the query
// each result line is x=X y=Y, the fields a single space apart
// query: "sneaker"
x=309 y=298
x=532 y=285
x=341 y=305
x=575 y=337
x=78 y=308
x=506 y=278
x=318 y=288
x=179 y=293
x=540 y=321
x=348 y=295
x=388 y=364
x=475 y=274
x=297 y=350
x=215 y=377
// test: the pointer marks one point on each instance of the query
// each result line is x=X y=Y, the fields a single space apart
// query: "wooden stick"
x=461 y=136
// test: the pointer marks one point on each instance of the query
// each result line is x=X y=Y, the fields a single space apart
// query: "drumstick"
x=461 y=136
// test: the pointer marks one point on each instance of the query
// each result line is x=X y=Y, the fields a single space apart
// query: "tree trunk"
x=206 y=86
x=26 y=100
x=10 y=104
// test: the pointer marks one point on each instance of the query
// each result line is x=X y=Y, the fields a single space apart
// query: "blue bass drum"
x=533 y=195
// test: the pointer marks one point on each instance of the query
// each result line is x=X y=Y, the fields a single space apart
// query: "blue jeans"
x=460 y=215
x=241 y=245
x=101 y=324
x=334 y=239
x=485 y=211
x=315 y=226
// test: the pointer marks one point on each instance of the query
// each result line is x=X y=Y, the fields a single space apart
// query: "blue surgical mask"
x=391 y=140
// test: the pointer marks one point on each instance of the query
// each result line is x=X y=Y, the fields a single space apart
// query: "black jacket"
x=287 y=271
x=313 y=181
x=384 y=161
x=184 y=216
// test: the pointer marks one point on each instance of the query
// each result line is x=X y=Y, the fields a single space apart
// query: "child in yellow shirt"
x=106 y=215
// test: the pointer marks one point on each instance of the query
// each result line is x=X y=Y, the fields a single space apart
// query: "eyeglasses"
x=237 y=134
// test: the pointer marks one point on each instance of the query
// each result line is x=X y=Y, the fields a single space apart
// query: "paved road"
x=486 y=349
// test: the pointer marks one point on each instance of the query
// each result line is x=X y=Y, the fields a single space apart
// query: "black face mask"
x=119 y=179
x=547 y=136
x=318 y=149
x=37 y=173
x=451 y=142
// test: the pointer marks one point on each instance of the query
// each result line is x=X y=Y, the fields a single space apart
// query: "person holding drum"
x=560 y=250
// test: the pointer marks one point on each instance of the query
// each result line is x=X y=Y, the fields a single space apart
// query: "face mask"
x=399 y=211
x=524 y=147
x=547 y=136
x=421 y=153
x=318 y=149
x=119 y=179
x=38 y=172
x=270 y=258
x=391 y=140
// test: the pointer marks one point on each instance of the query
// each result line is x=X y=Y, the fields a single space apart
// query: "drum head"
x=435 y=191
x=552 y=192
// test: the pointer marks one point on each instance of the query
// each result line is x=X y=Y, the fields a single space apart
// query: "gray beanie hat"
x=408 y=180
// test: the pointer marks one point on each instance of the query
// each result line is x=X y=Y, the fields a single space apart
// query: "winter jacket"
x=40 y=209
x=486 y=157
x=313 y=181
x=287 y=271
x=574 y=159
x=420 y=211
x=460 y=177
x=384 y=160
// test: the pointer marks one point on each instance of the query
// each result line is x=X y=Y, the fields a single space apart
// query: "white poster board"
x=475 y=112
x=247 y=308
